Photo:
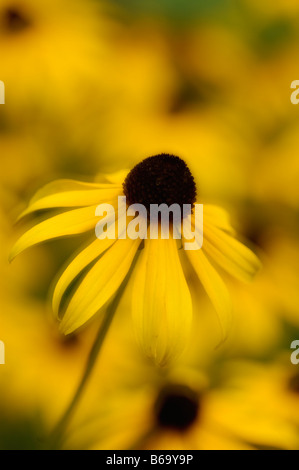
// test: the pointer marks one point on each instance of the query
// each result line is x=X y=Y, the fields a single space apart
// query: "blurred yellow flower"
x=37 y=357
x=189 y=410
x=273 y=388
x=93 y=84
x=48 y=52
x=162 y=305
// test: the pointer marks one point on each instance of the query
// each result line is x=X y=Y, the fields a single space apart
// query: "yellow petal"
x=99 y=284
x=117 y=177
x=162 y=307
x=68 y=223
x=64 y=185
x=78 y=264
x=217 y=216
x=230 y=254
x=86 y=194
x=214 y=287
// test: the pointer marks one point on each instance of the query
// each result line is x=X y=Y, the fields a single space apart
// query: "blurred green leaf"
x=174 y=10
x=22 y=433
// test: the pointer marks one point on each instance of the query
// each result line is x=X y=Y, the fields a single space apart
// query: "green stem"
x=57 y=435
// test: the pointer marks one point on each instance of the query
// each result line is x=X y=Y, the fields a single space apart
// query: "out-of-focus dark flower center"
x=14 y=20
x=177 y=407
x=161 y=179
x=69 y=342
x=293 y=384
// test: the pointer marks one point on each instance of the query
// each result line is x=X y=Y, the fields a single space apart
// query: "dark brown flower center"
x=14 y=20
x=293 y=384
x=161 y=179
x=177 y=407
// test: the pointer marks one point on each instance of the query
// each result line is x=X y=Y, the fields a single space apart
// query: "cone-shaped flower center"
x=177 y=407
x=14 y=20
x=162 y=179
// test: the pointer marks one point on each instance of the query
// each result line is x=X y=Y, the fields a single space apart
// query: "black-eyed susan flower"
x=161 y=304
x=201 y=402
x=251 y=407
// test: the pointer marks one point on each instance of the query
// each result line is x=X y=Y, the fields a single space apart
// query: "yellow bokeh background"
x=92 y=87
